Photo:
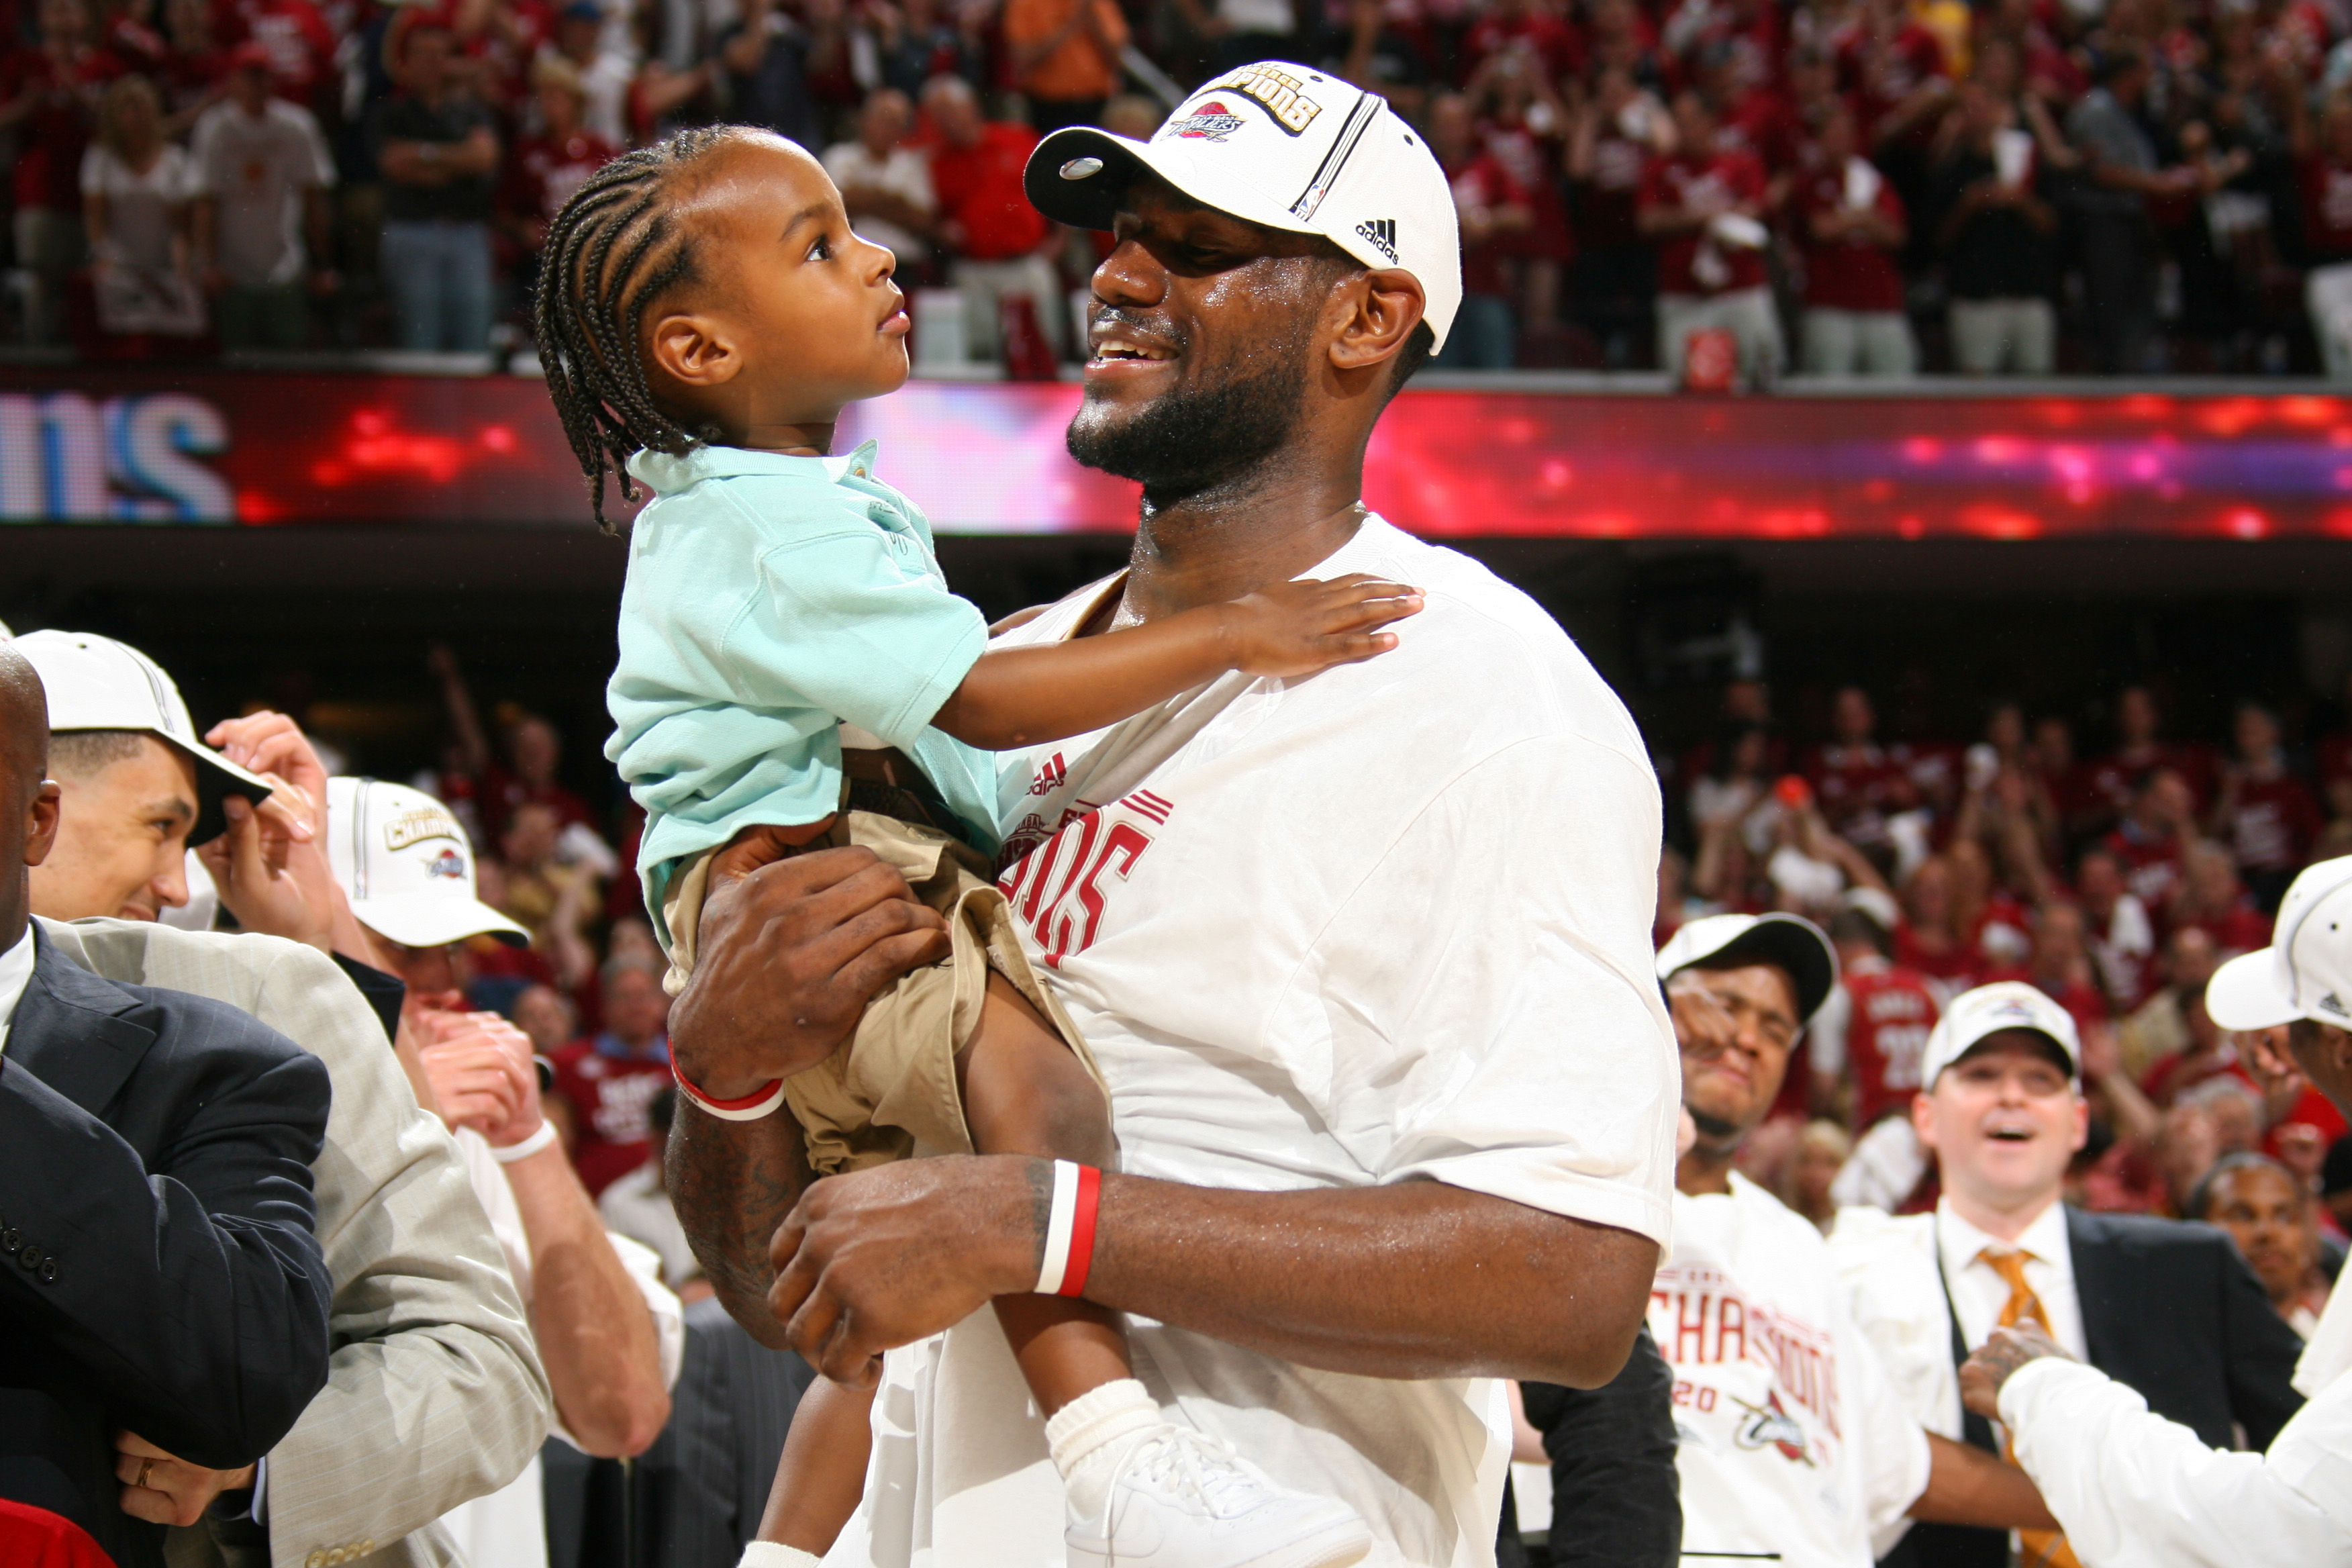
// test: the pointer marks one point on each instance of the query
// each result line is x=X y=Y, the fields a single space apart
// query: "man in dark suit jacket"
x=158 y=1270
x=2169 y=1309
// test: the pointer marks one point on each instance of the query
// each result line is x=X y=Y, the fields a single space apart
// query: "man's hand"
x=482 y=1075
x=162 y=1489
x=270 y=882
x=1983 y=1374
x=787 y=956
x=267 y=743
x=1702 y=1023
x=885 y=1257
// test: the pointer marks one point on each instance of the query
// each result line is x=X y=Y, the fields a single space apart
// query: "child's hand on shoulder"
x=1294 y=629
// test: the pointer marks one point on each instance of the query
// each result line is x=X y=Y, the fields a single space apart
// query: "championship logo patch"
x=449 y=864
x=1212 y=121
x=1769 y=1425
x=416 y=827
x=1283 y=95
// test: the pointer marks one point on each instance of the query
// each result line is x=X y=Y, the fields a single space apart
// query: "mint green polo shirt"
x=767 y=600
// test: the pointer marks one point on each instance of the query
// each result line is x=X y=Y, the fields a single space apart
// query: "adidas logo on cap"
x=1382 y=232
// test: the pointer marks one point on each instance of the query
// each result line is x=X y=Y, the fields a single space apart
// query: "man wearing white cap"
x=2169 y=1308
x=2134 y=1490
x=138 y=786
x=1793 y=1442
x=1367 y=966
x=434 y=1393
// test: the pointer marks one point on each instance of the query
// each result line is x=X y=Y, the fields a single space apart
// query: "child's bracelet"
x=761 y=1101
x=1070 y=1230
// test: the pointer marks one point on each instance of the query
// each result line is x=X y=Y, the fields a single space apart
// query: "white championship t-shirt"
x=1791 y=1440
x=1390 y=921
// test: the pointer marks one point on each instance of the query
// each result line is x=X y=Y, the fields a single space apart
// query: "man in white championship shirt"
x=1364 y=958
x=1793 y=1445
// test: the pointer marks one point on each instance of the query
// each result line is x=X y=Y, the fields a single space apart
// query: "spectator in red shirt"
x=1896 y=71
x=1853 y=229
x=496 y=789
x=2122 y=935
x=1874 y=1030
x=1491 y=206
x=1933 y=939
x=2324 y=173
x=2265 y=814
x=1523 y=128
x=301 y=47
x=1531 y=27
x=1000 y=246
x=2059 y=965
x=196 y=59
x=2066 y=781
x=1704 y=209
x=48 y=98
x=1616 y=133
x=2210 y=898
x=2140 y=751
x=543 y=169
x=611 y=1079
x=2150 y=840
x=1858 y=784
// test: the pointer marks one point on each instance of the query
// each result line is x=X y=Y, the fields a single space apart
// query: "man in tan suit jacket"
x=434 y=1394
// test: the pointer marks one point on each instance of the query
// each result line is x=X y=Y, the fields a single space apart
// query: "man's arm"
x=190 y=1294
x=1616 y=1496
x=1415 y=1280
x=1968 y=1486
x=2130 y=1487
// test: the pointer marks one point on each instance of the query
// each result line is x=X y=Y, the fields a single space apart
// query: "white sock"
x=1090 y=1424
x=775 y=1555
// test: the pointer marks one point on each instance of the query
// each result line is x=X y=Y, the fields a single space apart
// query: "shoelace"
x=1205 y=1467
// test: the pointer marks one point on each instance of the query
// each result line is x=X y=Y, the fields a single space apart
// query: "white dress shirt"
x=1978 y=1292
x=16 y=972
x=2135 y=1491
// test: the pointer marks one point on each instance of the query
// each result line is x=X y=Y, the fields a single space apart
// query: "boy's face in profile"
x=795 y=317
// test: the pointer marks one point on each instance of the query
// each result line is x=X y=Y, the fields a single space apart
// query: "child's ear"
x=693 y=349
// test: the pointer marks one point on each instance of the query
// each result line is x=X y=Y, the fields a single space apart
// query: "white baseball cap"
x=1285 y=147
x=97 y=683
x=1989 y=1009
x=1792 y=941
x=2307 y=971
x=407 y=866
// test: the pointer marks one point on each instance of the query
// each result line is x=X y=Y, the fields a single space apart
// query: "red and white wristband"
x=1070 y=1230
x=761 y=1101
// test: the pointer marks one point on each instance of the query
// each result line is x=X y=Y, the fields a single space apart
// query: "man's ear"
x=41 y=830
x=693 y=349
x=1384 y=306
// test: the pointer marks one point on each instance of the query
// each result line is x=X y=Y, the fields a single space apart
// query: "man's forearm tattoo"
x=732 y=1183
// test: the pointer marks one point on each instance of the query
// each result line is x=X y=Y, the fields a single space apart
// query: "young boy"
x=791 y=658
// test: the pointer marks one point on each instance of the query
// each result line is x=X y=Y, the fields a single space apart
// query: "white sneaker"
x=1180 y=1498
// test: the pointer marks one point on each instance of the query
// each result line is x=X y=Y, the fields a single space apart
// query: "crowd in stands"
x=1864 y=188
x=2114 y=881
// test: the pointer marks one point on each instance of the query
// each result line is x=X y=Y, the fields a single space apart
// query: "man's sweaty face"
x=1201 y=342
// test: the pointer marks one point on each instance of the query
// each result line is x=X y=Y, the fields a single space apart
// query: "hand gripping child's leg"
x=1142 y=1493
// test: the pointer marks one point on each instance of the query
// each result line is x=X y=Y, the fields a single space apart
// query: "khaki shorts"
x=891 y=1091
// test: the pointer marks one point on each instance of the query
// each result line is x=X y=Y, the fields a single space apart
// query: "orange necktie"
x=2040 y=1548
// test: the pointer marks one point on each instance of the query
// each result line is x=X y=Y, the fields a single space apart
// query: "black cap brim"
x=1088 y=199
x=1791 y=944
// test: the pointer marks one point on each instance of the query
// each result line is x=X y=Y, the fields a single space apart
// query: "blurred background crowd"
x=1851 y=187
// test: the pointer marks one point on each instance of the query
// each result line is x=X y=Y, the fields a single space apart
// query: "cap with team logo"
x=1724 y=941
x=1287 y=147
x=97 y=683
x=2307 y=971
x=1989 y=1009
x=407 y=867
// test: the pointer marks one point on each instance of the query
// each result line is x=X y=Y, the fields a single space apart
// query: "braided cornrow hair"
x=591 y=304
